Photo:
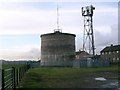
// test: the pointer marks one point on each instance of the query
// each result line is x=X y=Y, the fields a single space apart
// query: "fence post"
x=3 y=79
x=19 y=73
x=17 y=77
x=13 y=70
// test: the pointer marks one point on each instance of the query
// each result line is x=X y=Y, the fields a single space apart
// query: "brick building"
x=111 y=53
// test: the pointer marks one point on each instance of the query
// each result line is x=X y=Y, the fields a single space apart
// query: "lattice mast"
x=88 y=37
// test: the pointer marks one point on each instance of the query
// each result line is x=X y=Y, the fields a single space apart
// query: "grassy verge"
x=55 y=77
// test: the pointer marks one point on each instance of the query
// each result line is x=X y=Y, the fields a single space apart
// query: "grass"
x=58 y=77
x=6 y=66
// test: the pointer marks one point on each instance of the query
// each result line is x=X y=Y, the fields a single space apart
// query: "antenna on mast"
x=88 y=37
x=58 y=27
x=57 y=16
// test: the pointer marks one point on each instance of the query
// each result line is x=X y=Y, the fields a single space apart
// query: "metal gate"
x=8 y=79
x=11 y=77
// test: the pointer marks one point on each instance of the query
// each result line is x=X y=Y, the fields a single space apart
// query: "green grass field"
x=58 y=77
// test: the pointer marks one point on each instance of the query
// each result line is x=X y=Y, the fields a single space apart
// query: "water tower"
x=58 y=48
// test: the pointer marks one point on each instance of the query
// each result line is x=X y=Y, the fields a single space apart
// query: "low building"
x=111 y=53
x=84 y=59
x=81 y=54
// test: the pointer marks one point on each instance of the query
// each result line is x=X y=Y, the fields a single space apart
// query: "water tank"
x=57 y=49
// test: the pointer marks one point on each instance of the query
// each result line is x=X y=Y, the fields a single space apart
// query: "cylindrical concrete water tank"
x=57 y=49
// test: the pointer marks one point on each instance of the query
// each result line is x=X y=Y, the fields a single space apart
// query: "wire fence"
x=91 y=63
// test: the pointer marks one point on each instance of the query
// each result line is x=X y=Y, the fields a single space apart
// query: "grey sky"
x=33 y=18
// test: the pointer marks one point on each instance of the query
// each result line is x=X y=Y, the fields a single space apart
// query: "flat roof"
x=58 y=32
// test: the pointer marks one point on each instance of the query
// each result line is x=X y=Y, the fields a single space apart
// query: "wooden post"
x=13 y=76
x=3 y=84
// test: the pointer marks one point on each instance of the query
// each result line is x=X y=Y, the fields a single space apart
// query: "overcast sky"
x=22 y=22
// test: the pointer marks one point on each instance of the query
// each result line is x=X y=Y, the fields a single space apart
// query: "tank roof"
x=58 y=32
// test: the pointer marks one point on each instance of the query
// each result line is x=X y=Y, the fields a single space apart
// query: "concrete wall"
x=57 y=48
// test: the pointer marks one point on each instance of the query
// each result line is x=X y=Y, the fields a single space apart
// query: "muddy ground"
x=112 y=80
